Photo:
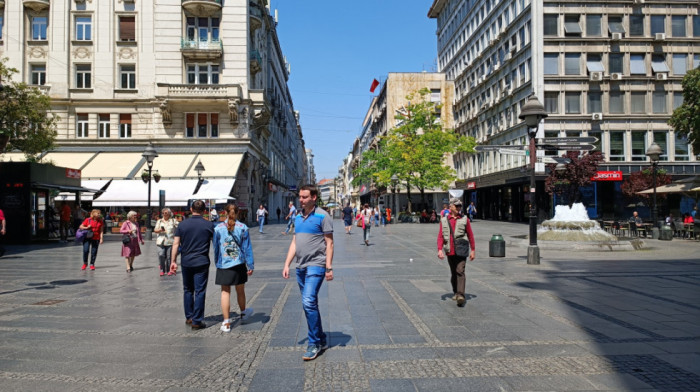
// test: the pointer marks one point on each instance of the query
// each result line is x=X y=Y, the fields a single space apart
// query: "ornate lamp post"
x=533 y=113
x=394 y=182
x=149 y=154
x=653 y=152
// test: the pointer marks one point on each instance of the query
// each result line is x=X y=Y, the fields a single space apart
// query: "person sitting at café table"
x=635 y=223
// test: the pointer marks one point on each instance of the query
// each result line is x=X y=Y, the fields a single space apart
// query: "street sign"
x=559 y=140
x=568 y=147
x=486 y=147
x=510 y=151
x=554 y=160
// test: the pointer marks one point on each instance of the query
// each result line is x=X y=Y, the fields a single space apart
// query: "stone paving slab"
x=581 y=320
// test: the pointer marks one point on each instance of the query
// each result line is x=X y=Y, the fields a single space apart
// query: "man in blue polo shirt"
x=312 y=246
x=193 y=237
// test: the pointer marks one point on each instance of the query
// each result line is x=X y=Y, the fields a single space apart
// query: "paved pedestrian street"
x=582 y=320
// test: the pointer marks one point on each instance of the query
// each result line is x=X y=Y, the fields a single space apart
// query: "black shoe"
x=131 y=269
x=198 y=326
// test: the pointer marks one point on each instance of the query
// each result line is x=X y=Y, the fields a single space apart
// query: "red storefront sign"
x=72 y=173
x=607 y=176
x=471 y=185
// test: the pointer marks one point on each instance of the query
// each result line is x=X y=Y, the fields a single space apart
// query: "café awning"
x=134 y=193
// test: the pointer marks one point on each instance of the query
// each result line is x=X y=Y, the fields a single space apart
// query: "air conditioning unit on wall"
x=616 y=36
x=659 y=37
x=596 y=76
x=661 y=76
x=616 y=76
x=597 y=116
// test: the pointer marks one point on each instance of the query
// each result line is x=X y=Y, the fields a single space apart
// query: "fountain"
x=572 y=224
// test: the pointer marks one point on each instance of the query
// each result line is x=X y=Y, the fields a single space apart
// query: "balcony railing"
x=202 y=1
x=197 y=91
x=187 y=43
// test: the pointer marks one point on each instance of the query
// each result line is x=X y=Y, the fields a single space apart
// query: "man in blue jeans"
x=312 y=246
x=193 y=237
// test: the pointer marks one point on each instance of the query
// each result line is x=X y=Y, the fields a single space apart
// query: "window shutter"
x=125 y=119
x=202 y=119
x=190 y=120
x=127 y=28
x=215 y=119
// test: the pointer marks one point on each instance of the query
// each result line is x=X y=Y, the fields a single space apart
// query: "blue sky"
x=335 y=49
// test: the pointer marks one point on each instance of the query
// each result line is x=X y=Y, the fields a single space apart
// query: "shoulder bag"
x=126 y=238
x=462 y=248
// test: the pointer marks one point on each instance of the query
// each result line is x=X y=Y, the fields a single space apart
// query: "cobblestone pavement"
x=581 y=320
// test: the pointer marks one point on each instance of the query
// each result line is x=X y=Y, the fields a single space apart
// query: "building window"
x=202 y=29
x=658 y=24
x=38 y=74
x=214 y=124
x=551 y=24
x=572 y=64
x=125 y=126
x=203 y=73
x=615 y=62
x=39 y=25
x=83 y=76
x=551 y=63
x=617 y=102
x=680 y=64
x=551 y=134
x=681 y=148
x=595 y=103
x=128 y=76
x=617 y=146
x=636 y=25
x=677 y=99
x=189 y=125
x=572 y=103
x=104 y=126
x=571 y=25
x=83 y=28
x=81 y=130
x=658 y=63
x=658 y=101
x=639 y=146
x=594 y=62
x=1 y=25
x=678 y=25
x=696 y=61
x=206 y=124
x=696 y=26
x=661 y=138
x=615 y=24
x=127 y=28
x=637 y=66
x=593 y=25
x=551 y=102
x=638 y=100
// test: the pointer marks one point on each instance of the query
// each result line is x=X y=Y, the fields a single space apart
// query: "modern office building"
x=609 y=69
x=202 y=80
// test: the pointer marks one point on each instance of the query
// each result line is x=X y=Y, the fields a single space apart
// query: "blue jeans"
x=289 y=225
x=310 y=280
x=261 y=220
x=194 y=284
x=93 y=251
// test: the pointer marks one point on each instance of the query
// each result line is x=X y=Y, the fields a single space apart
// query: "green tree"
x=25 y=122
x=686 y=118
x=578 y=173
x=415 y=150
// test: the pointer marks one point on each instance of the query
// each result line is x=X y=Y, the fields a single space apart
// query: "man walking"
x=193 y=237
x=312 y=246
x=452 y=227
x=347 y=218
x=66 y=215
x=278 y=214
x=292 y=214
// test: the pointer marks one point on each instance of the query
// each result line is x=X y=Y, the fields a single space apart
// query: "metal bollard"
x=497 y=246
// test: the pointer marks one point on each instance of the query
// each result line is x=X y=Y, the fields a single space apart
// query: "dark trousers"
x=457 y=278
x=194 y=285
x=90 y=246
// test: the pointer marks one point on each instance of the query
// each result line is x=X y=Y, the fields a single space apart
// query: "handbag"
x=359 y=223
x=462 y=247
x=161 y=236
x=126 y=239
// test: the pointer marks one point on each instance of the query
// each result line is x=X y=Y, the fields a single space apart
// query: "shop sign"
x=292 y=187
x=607 y=176
x=73 y=173
x=471 y=185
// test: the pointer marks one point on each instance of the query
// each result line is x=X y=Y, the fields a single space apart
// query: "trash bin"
x=497 y=246
x=666 y=233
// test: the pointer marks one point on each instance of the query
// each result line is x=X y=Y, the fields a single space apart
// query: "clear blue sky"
x=335 y=49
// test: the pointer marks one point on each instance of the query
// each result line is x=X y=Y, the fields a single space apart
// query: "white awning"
x=73 y=160
x=215 y=189
x=112 y=165
x=172 y=165
x=13 y=157
x=217 y=165
x=84 y=196
x=129 y=193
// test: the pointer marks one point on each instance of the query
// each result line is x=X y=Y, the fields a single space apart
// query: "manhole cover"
x=48 y=302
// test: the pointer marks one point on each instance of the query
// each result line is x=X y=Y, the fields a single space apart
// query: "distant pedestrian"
x=312 y=247
x=365 y=217
x=445 y=210
x=279 y=212
x=290 y=216
x=347 y=218
x=193 y=238
x=95 y=224
x=376 y=216
x=261 y=214
x=131 y=249
x=65 y=221
x=3 y=230
x=471 y=211
x=234 y=263
x=452 y=227
x=213 y=215
x=165 y=228
x=382 y=211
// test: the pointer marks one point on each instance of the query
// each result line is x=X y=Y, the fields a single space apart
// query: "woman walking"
x=165 y=228
x=95 y=223
x=234 y=263
x=261 y=214
x=131 y=249
x=364 y=216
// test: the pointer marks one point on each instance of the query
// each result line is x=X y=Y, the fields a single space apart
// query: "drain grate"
x=48 y=302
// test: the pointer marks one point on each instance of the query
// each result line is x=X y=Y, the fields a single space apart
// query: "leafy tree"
x=25 y=122
x=578 y=173
x=415 y=150
x=643 y=180
x=686 y=118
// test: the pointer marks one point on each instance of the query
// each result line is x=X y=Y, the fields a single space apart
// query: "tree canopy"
x=686 y=118
x=643 y=180
x=25 y=122
x=577 y=174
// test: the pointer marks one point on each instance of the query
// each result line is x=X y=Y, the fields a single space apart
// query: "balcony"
x=36 y=5
x=202 y=8
x=201 y=50
x=2 y=3
x=256 y=17
x=255 y=62
x=198 y=91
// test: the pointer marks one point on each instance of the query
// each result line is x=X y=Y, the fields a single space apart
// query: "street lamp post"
x=149 y=154
x=533 y=113
x=653 y=152
x=394 y=182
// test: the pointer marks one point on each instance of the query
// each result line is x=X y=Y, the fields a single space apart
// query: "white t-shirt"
x=261 y=212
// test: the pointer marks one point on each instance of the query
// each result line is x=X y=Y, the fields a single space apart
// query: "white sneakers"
x=245 y=315
x=226 y=326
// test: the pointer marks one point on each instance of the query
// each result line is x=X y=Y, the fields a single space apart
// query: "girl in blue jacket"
x=234 y=263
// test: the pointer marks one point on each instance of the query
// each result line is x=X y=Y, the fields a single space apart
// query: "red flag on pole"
x=375 y=83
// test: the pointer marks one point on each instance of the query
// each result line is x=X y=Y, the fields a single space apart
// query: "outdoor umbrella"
x=686 y=185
